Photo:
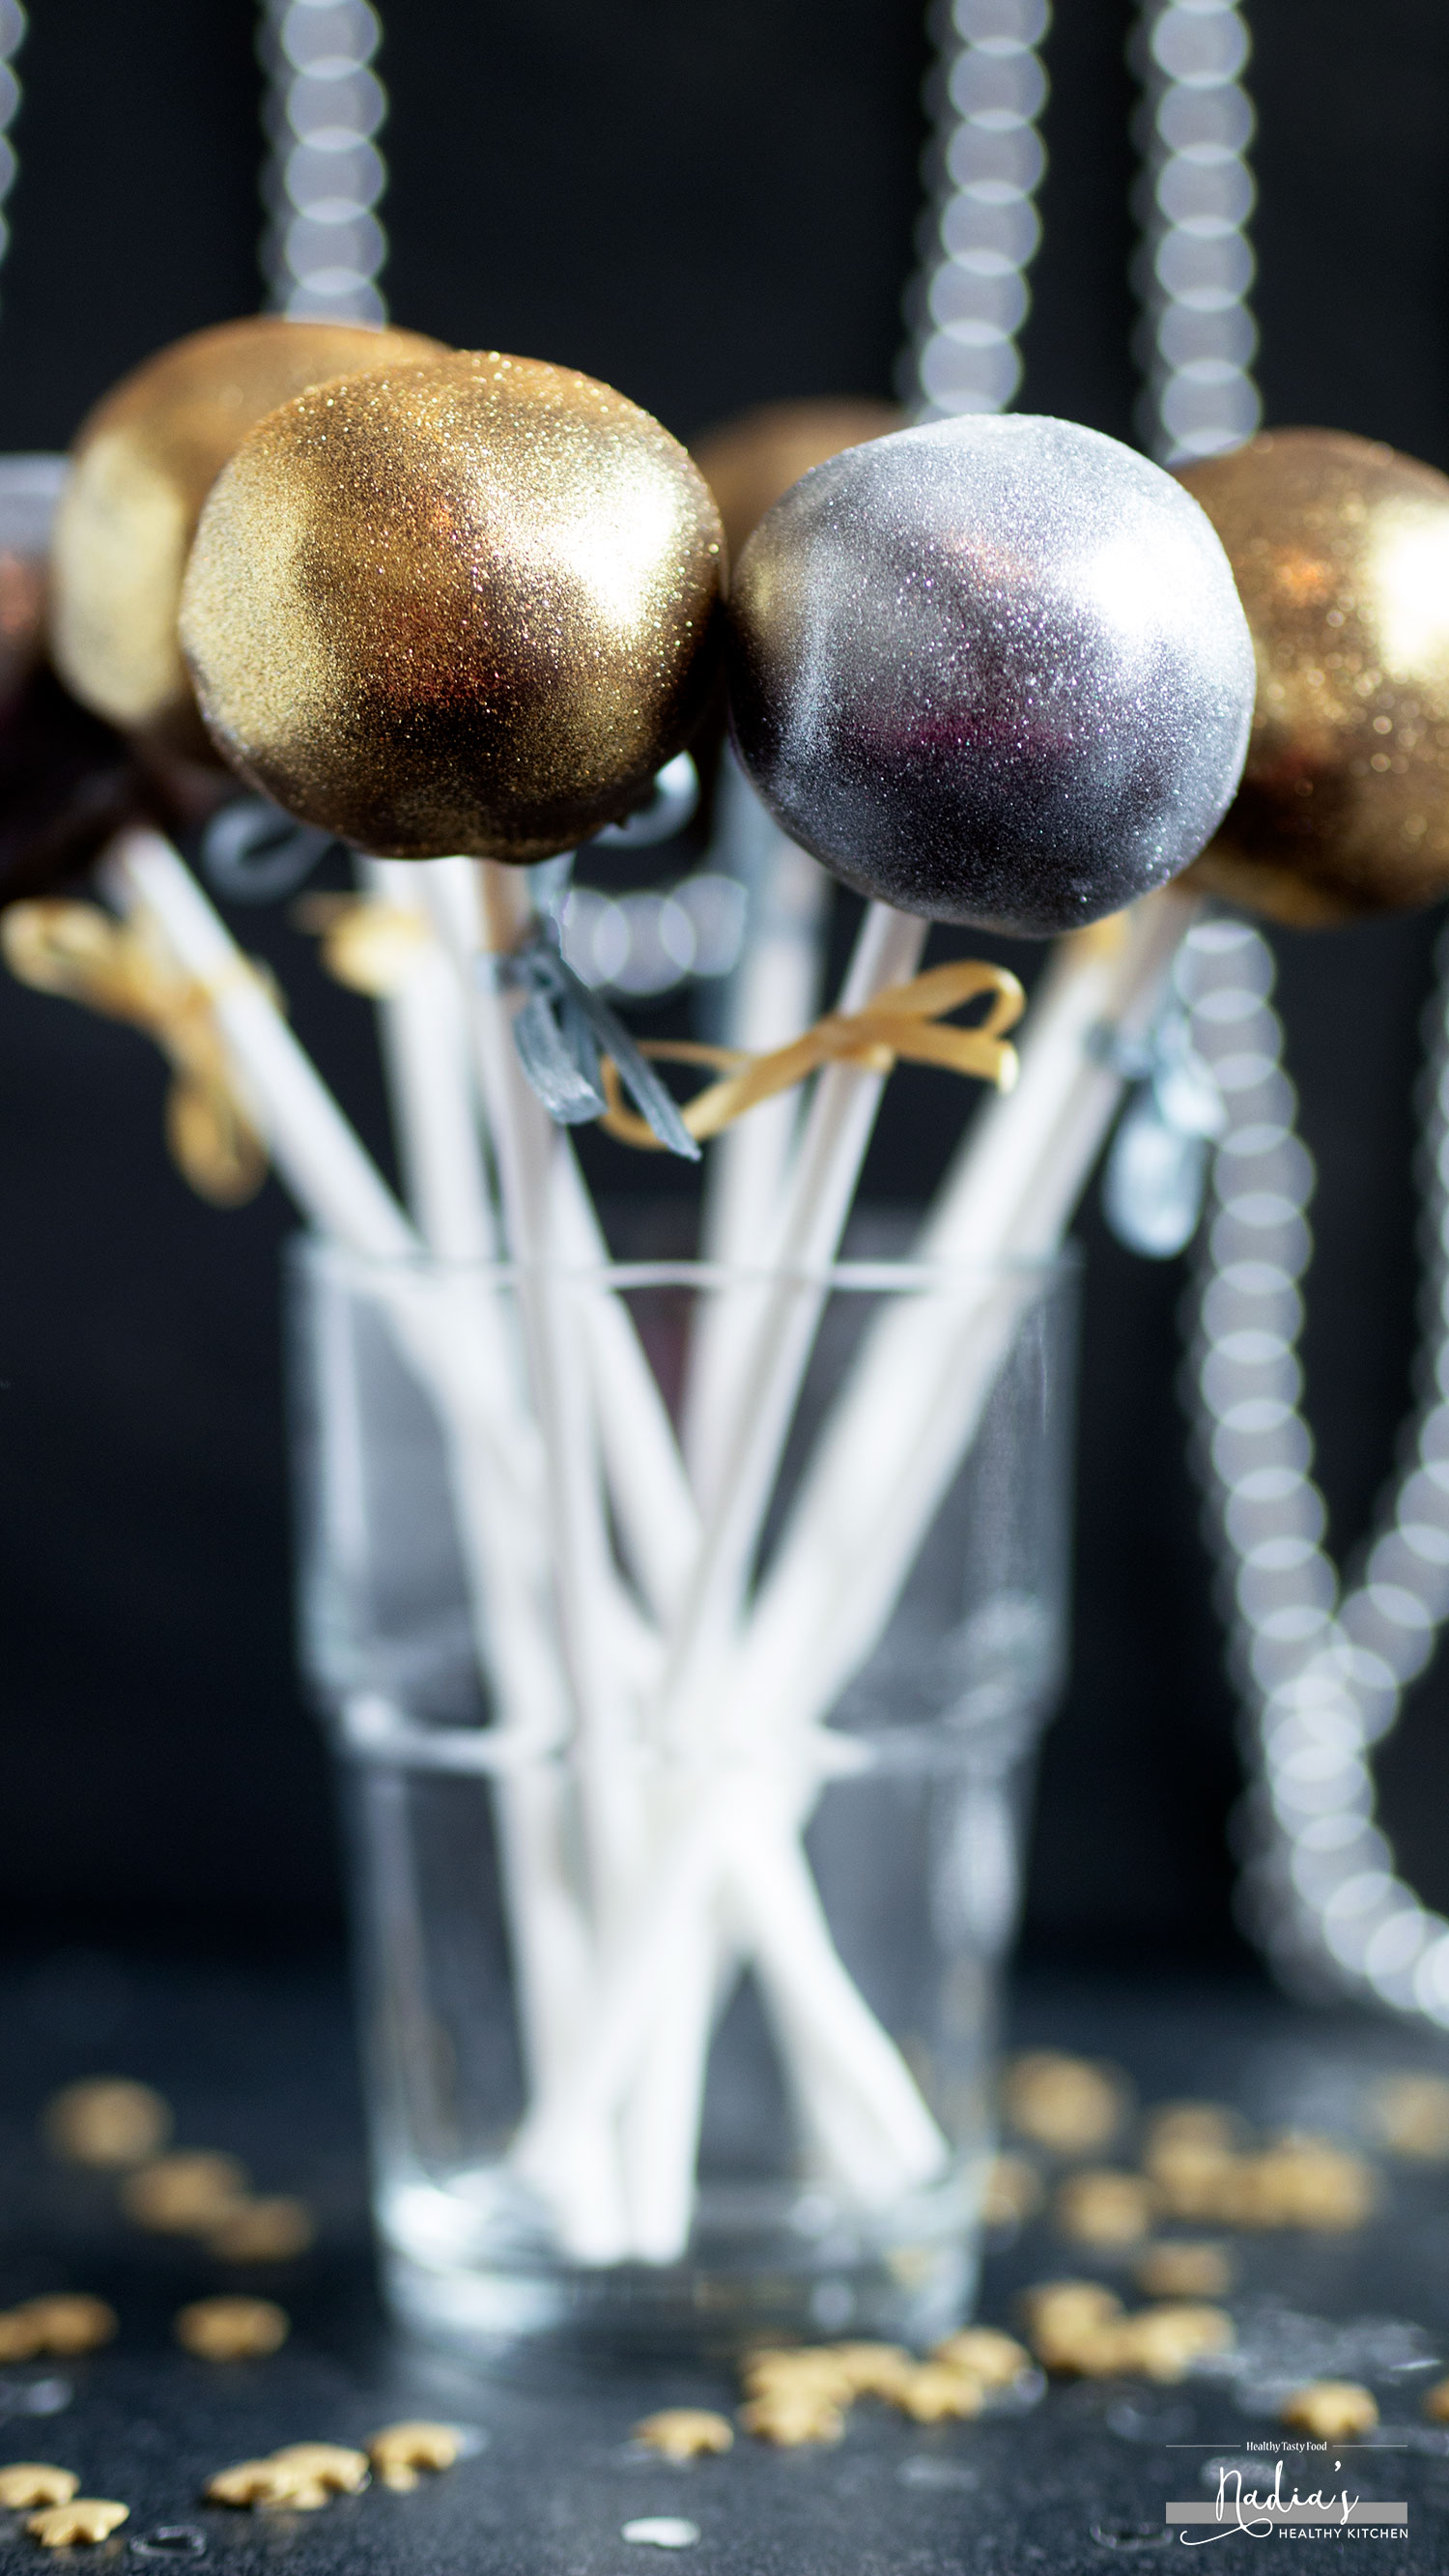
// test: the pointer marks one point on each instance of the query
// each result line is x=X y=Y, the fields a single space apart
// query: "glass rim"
x=315 y=1253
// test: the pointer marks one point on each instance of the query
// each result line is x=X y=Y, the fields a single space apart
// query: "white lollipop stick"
x=657 y=1517
x=1017 y=1180
x=426 y=1050
x=774 y=993
x=426 y=1053
x=859 y=2105
x=339 y=1189
x=769 y=1342
x=774 y=1357
x=910 y=1405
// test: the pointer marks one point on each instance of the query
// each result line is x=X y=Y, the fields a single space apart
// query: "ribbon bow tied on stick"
x=561 y=1028
x=581 y=1061
x=122 y=970
x=901 y=1024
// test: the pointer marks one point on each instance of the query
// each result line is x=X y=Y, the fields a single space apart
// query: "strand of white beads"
x=13 y=26
x=981 y=229
x=1197 y=338
x=1322 y=1665
x=324 y=248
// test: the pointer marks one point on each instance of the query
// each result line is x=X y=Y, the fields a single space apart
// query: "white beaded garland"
x=644 y=944
x=981 y=229
x=13 y=26
x=1322 y=1667
x=324 y=247
x=1195 y=194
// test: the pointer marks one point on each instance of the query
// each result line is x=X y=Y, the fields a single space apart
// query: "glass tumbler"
x=684 y=1636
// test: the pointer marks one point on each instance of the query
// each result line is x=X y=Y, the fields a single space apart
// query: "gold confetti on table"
x=1332 y=2409
x=685 y=2432
x=1102 y=2207
x=106 y=2120
x=399 y=2451
x=232 y=2329
x=996 y=2359
x=1064 y=2103
x=31 y=2482
x=86 y=2519
x=1184 y=2268
x=273 y=2230
x=187 y=2193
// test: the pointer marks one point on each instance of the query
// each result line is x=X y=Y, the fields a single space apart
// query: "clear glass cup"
x=681 y=1896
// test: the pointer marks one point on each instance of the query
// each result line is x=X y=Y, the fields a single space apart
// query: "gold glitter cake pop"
x=470 y=606
x=1340 y=550
x=143 y=464
x=750 y=463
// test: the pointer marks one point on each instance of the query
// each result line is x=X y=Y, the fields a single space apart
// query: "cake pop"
x=750 y=462
x=1341 y=554
x=992 y=670
x=469 y=606
x=143 y=463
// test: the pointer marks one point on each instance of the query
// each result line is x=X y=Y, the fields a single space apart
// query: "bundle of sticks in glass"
x=459 y=610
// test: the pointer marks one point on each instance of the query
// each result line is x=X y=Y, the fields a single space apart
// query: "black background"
x=709 y=206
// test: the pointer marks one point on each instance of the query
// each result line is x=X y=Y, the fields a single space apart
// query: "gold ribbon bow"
x=122 y=970
x=901 y=1023
x=368 y=943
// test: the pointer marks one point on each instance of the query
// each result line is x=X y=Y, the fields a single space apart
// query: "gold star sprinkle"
x=232 y=2329
x=399 y=2451
x=86 y=2519
x=1183 y=2268
x=794 y=2419
x=1064 y=2103
x=186 y=2194
x=30 y=2482
x=1100 y=2207
x=932 y=2394
x=272 y=2481
x=984 y=2353
x=263 y=2231
x=326 y=2464
x=106 y=2120
x=1331 y=2409
x=685 y=2432
x=68 y=2323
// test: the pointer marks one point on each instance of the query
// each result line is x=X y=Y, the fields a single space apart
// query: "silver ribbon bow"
x=251 y=852
x=1156 y=1175
x=561 y=1029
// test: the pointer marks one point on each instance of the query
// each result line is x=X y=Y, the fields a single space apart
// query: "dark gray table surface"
x=260 y=2061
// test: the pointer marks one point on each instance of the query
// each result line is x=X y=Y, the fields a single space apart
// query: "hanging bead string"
x=13 y=24
x=324 y=248
x=644 y=944
x=1194 y=268
x=980 y=232
x=1322 y=1669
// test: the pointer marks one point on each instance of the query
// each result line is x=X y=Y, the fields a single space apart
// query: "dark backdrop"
x=709 y=206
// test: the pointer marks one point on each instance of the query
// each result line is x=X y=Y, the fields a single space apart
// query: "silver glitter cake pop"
x=993 y=670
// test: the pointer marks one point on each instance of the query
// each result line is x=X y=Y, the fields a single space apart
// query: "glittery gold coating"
x=143 y=463
x=470 y=606
x=1340 y=550
x=751 y=462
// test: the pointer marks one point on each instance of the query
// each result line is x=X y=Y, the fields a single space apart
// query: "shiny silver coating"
x=993 y=670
